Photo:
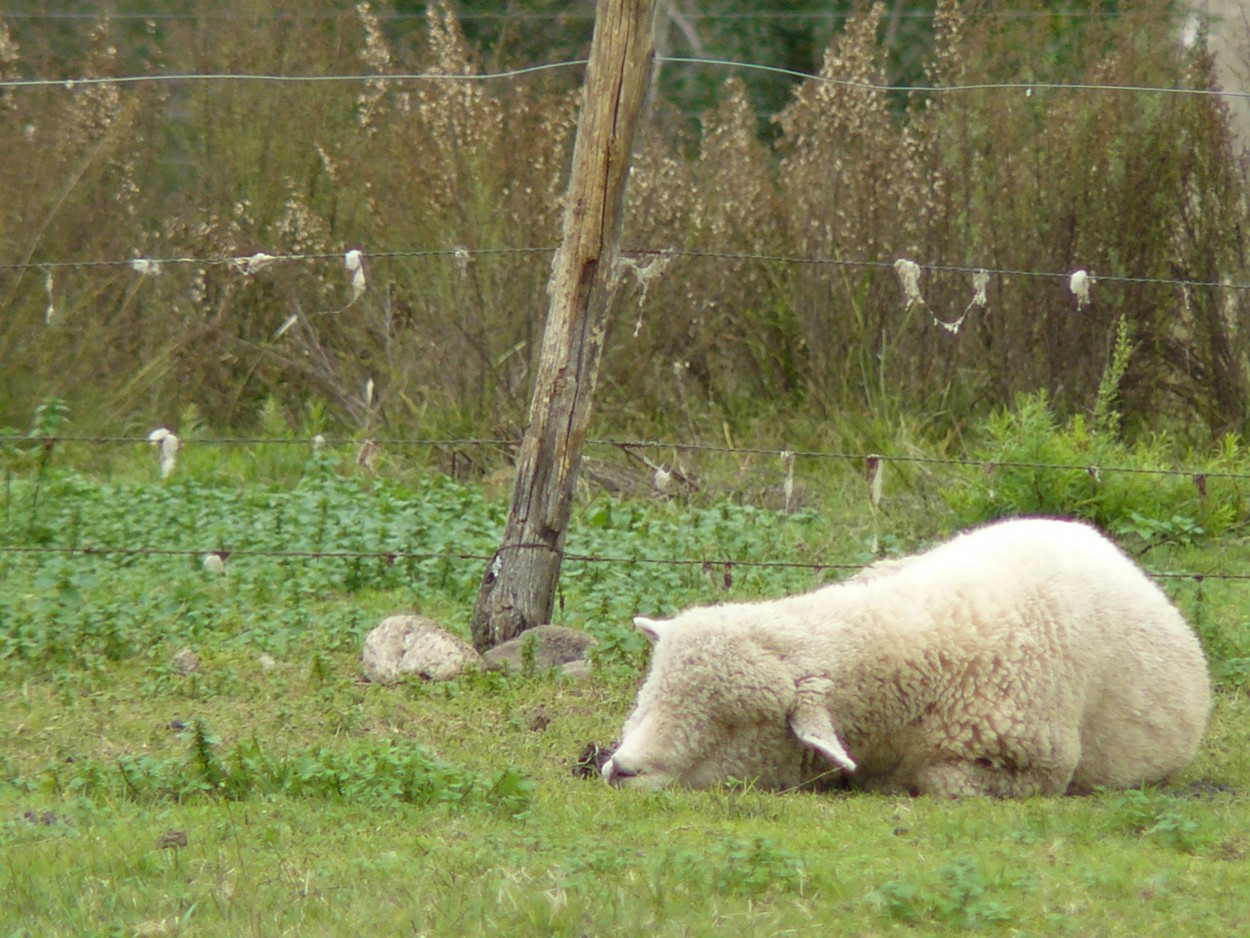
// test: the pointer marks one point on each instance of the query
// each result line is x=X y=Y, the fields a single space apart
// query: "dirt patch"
x=589 y=762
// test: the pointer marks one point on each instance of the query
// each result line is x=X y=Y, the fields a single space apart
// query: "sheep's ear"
x=810 y=722
x=652 y=628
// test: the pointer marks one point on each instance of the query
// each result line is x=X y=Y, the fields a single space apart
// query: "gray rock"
x=552 y=647
x=579 y=669
x=187 y=661
x=411 y=644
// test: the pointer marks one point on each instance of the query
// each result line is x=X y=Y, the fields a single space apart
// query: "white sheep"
x=1028 y=656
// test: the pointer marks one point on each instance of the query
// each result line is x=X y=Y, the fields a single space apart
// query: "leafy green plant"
x=756 y=865
x=961 y=896
x=750 y=866
x=1156 y=816
x=373 y=773
x=1033 y=463
x=50 y=417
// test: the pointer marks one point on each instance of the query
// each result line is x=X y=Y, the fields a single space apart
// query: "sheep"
x=1024 y=657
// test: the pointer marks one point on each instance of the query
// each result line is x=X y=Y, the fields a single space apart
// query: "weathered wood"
x=518 y=590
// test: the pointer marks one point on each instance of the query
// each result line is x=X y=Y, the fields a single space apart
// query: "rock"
x=578 y=670
x=187 y=661
x=410 y=644
x=552 y=646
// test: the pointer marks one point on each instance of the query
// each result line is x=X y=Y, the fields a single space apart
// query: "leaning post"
x=519 y=586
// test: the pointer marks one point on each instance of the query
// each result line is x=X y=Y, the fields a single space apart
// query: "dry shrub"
x=1060 y=180
x=233 y=169
x=464 y=171
x=1142 y=185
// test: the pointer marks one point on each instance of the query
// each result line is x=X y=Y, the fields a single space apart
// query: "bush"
x=1032 y=463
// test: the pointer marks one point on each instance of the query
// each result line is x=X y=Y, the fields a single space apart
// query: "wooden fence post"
x=518 y=590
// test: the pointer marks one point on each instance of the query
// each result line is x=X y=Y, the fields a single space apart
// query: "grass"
x=269 y=791
x=572 y=856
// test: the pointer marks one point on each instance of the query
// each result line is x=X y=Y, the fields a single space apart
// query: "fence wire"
x=708 y=564
x=149 y=266
x=393 y=557
x=1198 y=476
x=1027 y=87
x=252 y=265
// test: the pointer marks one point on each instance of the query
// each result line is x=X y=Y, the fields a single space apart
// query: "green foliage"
x=960 y=895
x=1033 y=463
x=1106 y=413
x=285 y=547
x=269 y=791
x=736 y=866
x=51 y=415
x=1157 y=816
x=363 y=773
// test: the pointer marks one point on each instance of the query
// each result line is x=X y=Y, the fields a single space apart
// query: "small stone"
x=547 y=646
x=578 y=670
x=187 y=661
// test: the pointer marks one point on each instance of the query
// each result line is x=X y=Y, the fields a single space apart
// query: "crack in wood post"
x=518 y=589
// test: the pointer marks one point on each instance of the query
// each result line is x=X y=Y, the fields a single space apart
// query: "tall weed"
x=781 y=295
x=1032 y=462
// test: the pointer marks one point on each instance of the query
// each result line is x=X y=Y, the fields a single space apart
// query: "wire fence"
x=782 y=453
x=391 y=557
x=249 y=265
x=366 y=78
x=709 y=565
x=527 y=16
x=252 y=263
x=871 y=463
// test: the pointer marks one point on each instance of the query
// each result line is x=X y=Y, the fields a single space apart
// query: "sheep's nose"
x=615 y=774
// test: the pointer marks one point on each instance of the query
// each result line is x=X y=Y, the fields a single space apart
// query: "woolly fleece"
x=1028 y=656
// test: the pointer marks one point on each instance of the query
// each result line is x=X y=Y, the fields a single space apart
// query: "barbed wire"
x=935 y=267
x=146 y=264
x=985 y=464
x=392 y=557
x=69 y=84
x=250 y=265
x=1029 y=87
x=530 y=15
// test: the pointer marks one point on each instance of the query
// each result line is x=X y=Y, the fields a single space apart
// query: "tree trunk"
x=518 y=590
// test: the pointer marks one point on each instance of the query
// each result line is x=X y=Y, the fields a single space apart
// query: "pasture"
x=191 y=751
x=187 y=747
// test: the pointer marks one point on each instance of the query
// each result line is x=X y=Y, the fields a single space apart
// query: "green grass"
x=271 y=792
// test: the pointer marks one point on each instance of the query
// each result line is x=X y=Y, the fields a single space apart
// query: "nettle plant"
x=1034 y=462
x=363 y=773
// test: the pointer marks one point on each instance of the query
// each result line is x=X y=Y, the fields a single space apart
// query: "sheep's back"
x=1022 y=630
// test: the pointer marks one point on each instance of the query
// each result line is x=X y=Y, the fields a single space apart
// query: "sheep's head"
x=717 y=705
